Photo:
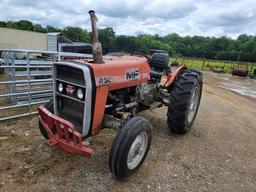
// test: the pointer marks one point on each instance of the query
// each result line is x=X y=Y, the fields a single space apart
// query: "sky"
x=134 y=17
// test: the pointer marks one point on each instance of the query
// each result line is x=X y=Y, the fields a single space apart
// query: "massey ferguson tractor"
x=108 y=92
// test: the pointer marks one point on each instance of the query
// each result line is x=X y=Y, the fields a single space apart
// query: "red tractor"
x=109 y=91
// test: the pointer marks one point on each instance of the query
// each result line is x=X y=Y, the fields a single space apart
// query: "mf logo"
x=132 y=74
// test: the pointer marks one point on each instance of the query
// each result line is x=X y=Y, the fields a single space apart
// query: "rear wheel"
x=49 y=107
x=184 y=101
x=130 y=147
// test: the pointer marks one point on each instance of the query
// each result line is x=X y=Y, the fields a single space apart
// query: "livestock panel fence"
x=26 y=80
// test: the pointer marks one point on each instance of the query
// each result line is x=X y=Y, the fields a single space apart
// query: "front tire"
x=184 y=101
x=130 y=147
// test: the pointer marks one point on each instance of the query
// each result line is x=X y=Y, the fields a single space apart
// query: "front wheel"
x=184 y=101
x=130 y=147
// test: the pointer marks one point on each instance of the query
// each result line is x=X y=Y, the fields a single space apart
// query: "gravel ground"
x=219 y=154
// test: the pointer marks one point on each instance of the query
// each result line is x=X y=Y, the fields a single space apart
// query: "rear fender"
x=172 y=77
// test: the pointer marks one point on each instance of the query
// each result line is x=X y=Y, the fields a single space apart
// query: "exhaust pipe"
x=96 y=45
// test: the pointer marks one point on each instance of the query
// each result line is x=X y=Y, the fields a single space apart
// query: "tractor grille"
x=70 y=85
x=70 y=74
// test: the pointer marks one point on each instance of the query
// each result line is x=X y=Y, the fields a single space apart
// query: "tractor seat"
x=159 y=64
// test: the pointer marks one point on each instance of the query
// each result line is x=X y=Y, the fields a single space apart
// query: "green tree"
x=107 y=38
x=50 y=29
x=25 y=25
x=2 y=24
x=125 y=43
x=12 y=24
x=77 y=34
x=243 y=38
x=39 y=28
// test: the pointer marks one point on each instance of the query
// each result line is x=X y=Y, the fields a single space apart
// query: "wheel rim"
x=137 y=150
x=194 y=103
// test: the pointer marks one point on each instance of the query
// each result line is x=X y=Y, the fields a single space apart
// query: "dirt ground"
x=219 y=154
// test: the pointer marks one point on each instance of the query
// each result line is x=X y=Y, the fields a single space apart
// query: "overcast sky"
x=133 y=17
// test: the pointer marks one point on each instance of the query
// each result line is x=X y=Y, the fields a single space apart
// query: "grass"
x=226 y=66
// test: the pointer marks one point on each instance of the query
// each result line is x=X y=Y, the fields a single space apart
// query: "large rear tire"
x=184 y=101
x=49 y=107
x=130 y=147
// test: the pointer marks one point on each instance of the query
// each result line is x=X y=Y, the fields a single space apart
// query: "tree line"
x=242 y=48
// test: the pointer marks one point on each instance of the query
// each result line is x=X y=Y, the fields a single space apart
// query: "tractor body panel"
x=116 y=73
x=121 y=72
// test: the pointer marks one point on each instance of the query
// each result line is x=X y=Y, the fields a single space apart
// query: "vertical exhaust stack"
x=96 y=45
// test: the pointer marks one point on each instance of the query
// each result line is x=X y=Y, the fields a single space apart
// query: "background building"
x=20 y=39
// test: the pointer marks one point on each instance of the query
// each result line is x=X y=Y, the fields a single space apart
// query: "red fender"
x=172 y=77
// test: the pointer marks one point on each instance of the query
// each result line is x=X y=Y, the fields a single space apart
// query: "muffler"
x=96 y=45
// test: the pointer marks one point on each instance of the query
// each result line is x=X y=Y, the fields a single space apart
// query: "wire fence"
x=216 y=65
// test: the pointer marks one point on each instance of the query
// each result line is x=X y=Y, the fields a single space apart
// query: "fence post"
x=29 y=83
x=251 y=72
x=203 y=64
x=6 y=74
x=12 y=86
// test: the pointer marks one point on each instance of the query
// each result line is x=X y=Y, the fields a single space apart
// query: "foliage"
x=77 y=34
x=107 y=38
x=223 y=48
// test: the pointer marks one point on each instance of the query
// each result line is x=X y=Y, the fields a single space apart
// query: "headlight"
x=80 y=93
x=60 y=87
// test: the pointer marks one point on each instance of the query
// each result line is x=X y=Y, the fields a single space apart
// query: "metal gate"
x=26 y=80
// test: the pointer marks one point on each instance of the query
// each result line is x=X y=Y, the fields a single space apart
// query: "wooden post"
x=203 y=64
